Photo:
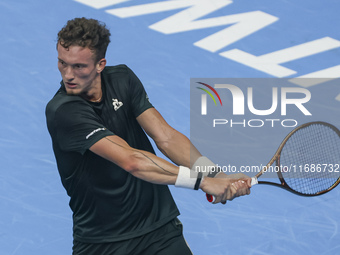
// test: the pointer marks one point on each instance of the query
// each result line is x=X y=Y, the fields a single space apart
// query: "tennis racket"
x=307 y=160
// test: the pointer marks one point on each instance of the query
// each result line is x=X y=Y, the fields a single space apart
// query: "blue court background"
x=34 y=213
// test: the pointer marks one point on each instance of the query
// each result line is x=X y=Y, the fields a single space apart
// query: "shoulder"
x=120 y=72
x=116 y=70
x=120 y=78
x=60 y=100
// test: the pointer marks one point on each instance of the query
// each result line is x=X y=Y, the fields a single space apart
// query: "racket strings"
x=310 y=159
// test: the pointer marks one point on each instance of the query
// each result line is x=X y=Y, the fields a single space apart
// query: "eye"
x=62 y=62
x=79 y=66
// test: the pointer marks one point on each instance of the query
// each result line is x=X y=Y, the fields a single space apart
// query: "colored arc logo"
x=209 y=93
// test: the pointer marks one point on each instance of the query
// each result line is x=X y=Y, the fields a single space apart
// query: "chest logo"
x=116 y=104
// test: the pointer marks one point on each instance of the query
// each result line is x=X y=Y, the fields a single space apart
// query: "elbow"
x=132 y=164
x=163 y=147
x=130 y=167
x=165 y=143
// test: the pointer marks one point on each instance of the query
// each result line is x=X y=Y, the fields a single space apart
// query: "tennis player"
x=118 y=189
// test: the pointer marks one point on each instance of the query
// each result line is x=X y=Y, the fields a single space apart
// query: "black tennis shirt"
x=108 y=203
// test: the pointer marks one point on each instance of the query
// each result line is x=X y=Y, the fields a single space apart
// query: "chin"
x=72 y=92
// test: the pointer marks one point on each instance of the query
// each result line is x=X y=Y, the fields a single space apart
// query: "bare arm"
x=142 y=164
x=181 y=151
x=173 y=144
x=149 y=167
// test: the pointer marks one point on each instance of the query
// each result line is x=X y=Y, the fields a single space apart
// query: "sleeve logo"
x=94 y=131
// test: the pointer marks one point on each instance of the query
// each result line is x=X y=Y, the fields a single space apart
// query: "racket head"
x=309 y=159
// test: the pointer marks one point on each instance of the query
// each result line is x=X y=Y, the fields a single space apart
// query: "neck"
x=96 y=93
x=98 y=98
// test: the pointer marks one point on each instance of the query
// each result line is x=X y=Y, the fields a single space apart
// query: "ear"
x=100 y=65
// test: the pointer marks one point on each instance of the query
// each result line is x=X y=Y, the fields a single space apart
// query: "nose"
x=68 y=75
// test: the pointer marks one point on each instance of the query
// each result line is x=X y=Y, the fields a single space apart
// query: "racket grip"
x=254 y=181
x=211 y=198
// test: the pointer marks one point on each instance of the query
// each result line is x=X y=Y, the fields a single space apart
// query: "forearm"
x=179 y=149
x=182 y=152
x=151 y=168
x=173 y=144
x=159 y=171
x=142 y=164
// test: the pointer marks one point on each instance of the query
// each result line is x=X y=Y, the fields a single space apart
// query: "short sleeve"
x=139 y=98
x=78 y=127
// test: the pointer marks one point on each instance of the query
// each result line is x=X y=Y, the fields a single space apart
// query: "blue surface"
x=35 y=217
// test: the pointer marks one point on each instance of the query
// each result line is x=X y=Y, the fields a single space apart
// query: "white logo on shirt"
x=116 y=104
x=94 y=131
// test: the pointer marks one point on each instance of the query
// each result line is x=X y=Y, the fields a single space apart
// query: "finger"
x=238 y=184
x=232 y=192
x=242 y=187
x=245 y=188
x=249 y=182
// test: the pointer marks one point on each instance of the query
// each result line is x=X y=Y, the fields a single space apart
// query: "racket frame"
x=276 y=158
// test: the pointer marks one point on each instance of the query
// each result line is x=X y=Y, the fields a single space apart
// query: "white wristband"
x=187 y=178
x=206 y=167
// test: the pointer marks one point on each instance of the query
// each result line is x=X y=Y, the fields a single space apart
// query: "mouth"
x=70 y=85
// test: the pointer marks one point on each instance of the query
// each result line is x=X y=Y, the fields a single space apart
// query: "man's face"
x=79 y=71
